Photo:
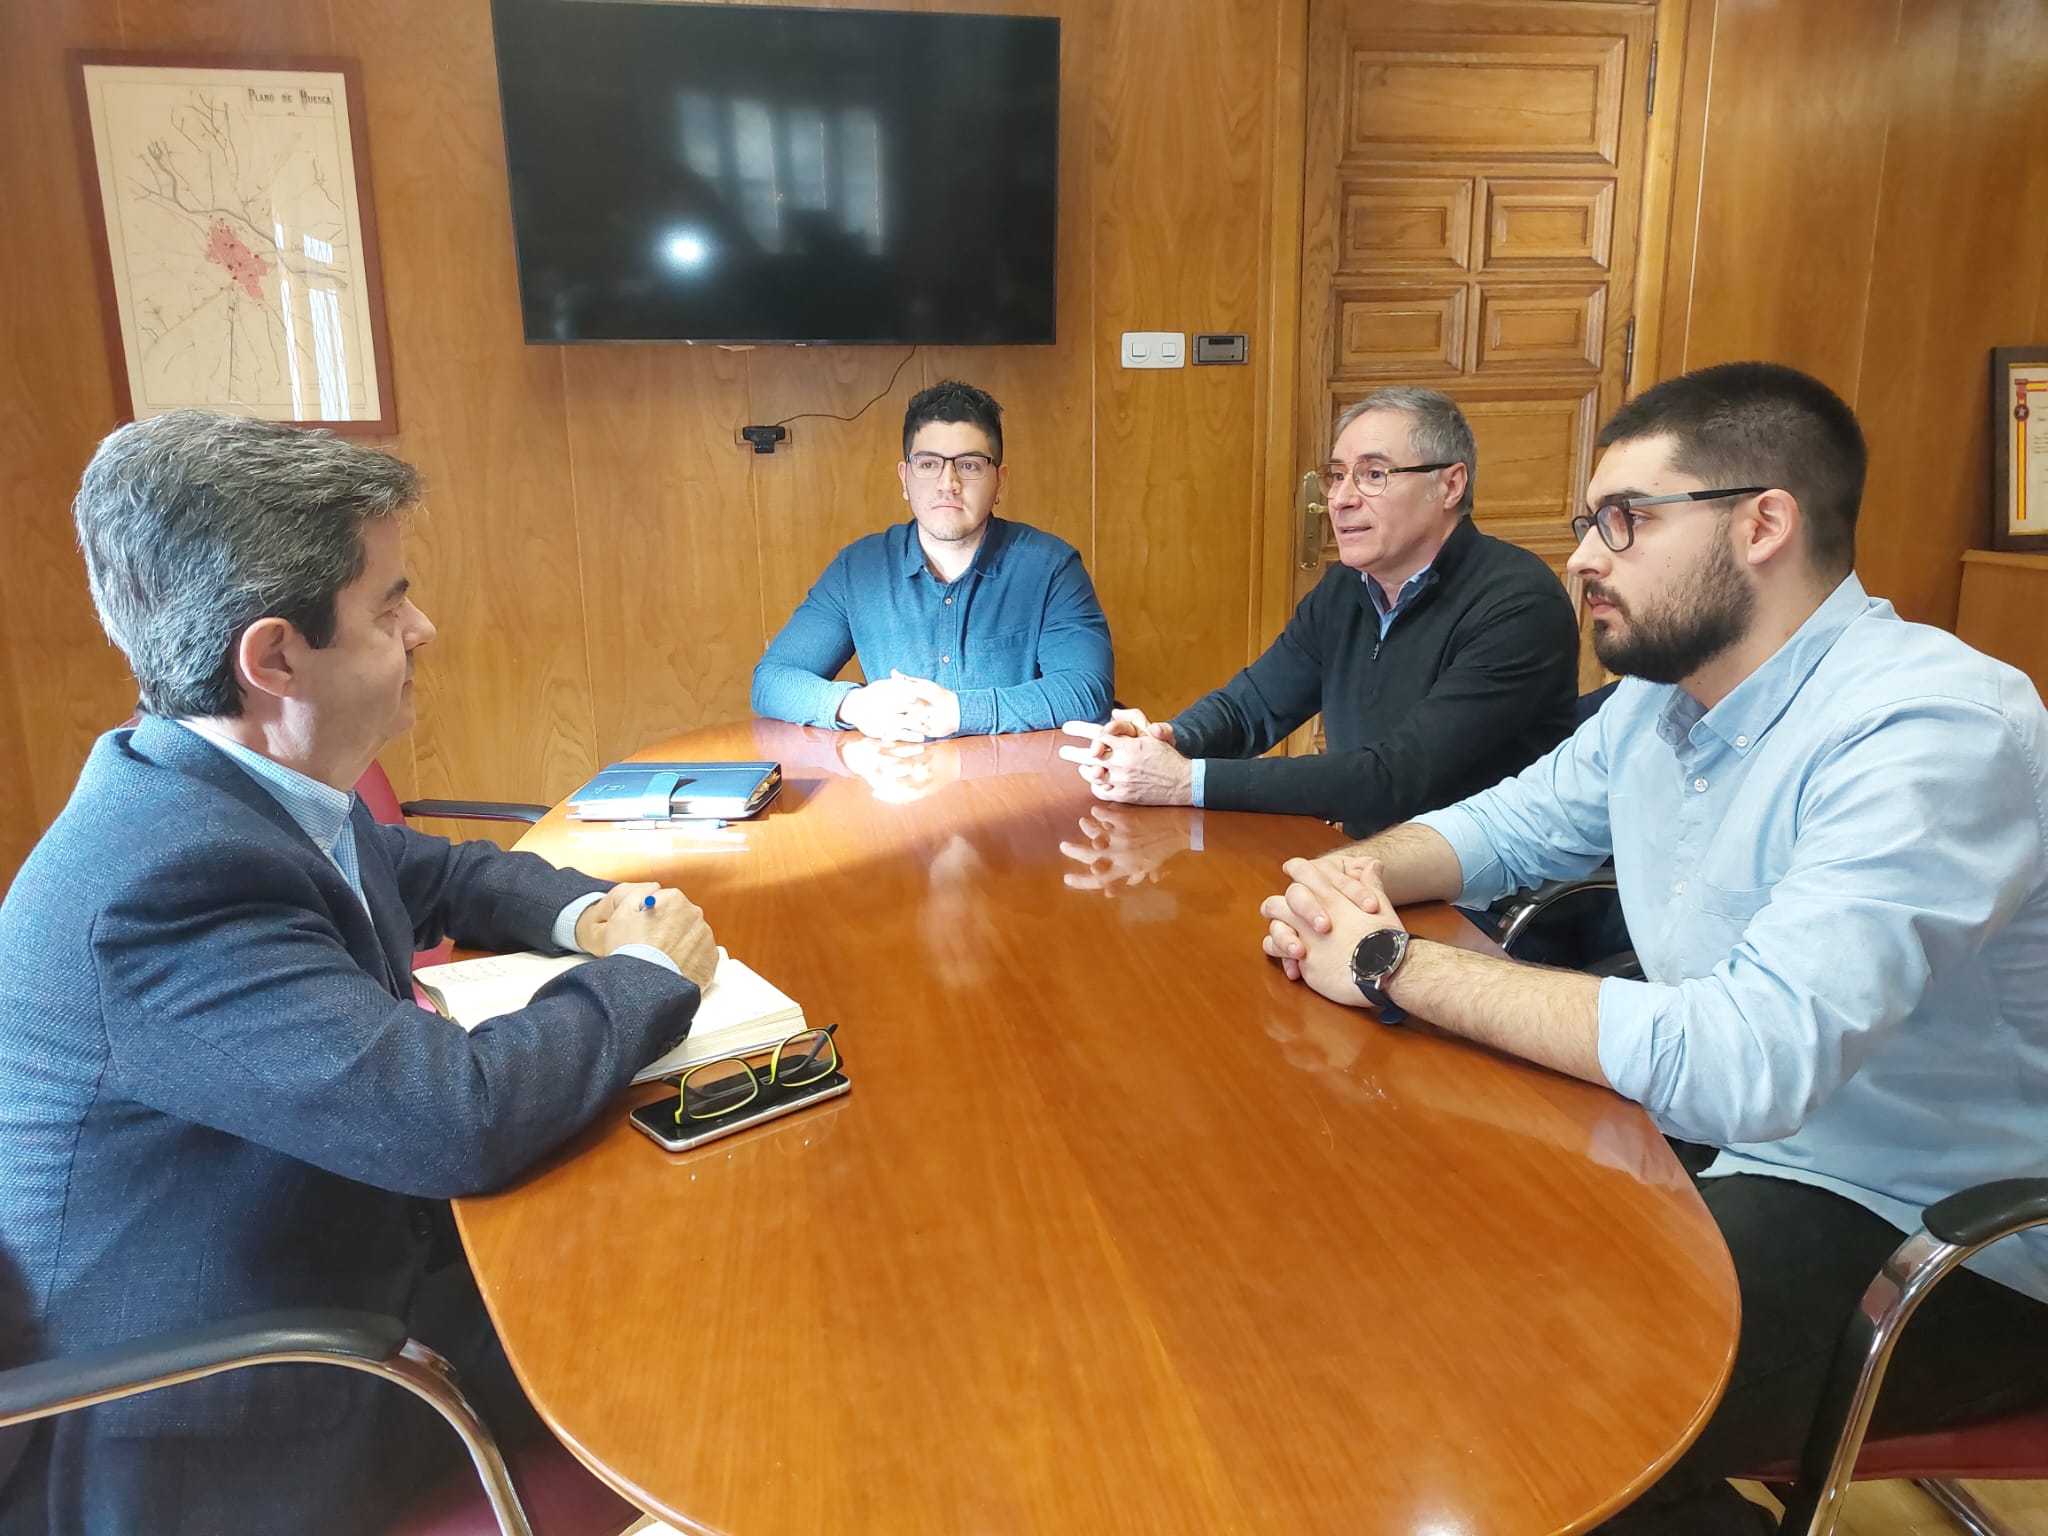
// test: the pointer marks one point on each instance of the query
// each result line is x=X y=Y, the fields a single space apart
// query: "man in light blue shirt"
x=966 y=624
x=1830 y=832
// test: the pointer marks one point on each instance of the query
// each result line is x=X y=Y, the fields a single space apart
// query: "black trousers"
x=1803 y=1258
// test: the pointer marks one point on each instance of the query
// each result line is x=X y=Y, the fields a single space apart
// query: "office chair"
x=2012 y=1446
x=385 y=806
x=361 y=1341
x=1576 y=924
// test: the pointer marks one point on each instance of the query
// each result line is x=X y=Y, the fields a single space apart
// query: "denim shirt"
x=1019 y=636
x=1837 y=882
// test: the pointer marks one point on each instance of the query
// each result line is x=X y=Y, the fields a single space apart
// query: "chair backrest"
x=379 y=798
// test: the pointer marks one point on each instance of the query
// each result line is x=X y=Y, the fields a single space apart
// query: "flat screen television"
x=743 y=173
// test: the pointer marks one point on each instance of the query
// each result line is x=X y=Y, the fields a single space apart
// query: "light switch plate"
x=1155 y=349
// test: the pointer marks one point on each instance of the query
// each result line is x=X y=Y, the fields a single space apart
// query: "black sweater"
x=1475 y=680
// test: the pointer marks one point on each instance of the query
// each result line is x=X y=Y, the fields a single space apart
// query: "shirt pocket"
x=1002 y=657
x=1735 y=904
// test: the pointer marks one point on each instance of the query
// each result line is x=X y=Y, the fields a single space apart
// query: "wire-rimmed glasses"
x=1370 y=475
x=714 y=1088
x=1617 y=519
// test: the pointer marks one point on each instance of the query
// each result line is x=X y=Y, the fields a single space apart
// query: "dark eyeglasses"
x=969 y=466
x=1617 y=520
x=1369 y=475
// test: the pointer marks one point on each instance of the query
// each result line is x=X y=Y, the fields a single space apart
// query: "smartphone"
x=658 y=1122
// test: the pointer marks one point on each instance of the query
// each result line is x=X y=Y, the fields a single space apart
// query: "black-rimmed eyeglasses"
x=1369 y=475
x=969 y=466
x=1617 y=519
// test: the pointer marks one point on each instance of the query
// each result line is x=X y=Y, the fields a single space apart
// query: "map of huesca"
x=234 y=245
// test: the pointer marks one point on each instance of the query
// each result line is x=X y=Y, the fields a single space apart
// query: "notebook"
x=742 y=1012
x=662 y=791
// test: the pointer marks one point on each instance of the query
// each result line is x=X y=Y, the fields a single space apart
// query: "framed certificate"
x=2019 y=448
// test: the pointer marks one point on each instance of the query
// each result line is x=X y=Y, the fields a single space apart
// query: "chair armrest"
x=475 y=810
x=52 y=1386
x=1529 y=905
x=1951 y=1230
x=1971 y=1218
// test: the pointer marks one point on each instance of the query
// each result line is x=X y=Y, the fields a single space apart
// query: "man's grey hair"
x=196 y=525
x=1440 y=434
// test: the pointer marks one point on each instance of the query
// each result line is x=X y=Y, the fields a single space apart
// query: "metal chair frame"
x=359 y=1341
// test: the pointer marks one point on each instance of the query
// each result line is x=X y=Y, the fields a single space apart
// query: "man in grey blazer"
x=216 y=1093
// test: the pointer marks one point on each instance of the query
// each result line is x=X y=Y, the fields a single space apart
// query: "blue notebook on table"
x=676 y=791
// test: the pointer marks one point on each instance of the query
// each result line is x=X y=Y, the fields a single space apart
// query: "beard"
x=1711 y=610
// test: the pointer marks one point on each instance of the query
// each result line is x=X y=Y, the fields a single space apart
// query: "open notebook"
x=741 y=1012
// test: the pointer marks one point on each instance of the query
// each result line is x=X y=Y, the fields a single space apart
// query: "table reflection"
x=1129 y=845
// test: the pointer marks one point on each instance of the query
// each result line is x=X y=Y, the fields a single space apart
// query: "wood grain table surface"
x=1118 y=1230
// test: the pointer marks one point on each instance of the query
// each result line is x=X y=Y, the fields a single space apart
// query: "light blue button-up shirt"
x=1837 y=882
x=1199 y=770
x=323 y=814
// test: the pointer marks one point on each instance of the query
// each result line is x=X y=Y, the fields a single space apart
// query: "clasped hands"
x=1131 y=759
x=674 y=925
x=902 y=708
x=1313 y=926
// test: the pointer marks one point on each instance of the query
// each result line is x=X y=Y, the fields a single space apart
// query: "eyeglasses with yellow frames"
x=714 y=1088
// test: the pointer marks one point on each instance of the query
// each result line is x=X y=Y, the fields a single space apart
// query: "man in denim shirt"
x=1830 y=833
x=965 y=624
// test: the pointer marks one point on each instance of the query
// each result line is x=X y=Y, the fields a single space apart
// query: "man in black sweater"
x=1442 y=660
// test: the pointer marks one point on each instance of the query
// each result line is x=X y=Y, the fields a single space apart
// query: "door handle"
x=1314 y=519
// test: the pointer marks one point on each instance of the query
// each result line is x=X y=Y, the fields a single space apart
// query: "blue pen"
x=647 y=905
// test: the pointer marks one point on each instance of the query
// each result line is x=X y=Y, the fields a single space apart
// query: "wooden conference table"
x=1118 y=1230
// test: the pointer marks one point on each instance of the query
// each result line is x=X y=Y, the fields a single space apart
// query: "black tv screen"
x=742 y=173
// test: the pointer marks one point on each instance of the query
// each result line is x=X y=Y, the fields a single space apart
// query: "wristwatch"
x=1373 y=963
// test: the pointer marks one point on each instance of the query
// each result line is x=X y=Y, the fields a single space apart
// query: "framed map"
x=237 y=249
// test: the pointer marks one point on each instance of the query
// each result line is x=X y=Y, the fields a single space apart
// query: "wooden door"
x=1471 y=206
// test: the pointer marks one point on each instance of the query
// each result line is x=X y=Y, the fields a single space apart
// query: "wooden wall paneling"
x=1671 y=161
x=1535 y=455
x=229 y=26
x=19 y=825
x=1548 y=223
x=1180 y=154
x=1048 y=393
x=55 y=405
x=1278 y=339
x=1477 y=167
x=2004 y=593
x=664 y=505
x=1961 y=228
x=1789 y=184
x=1553 y=327
x=1388 y=332
x=1398 y=222
x=504 y=693
x=833 y=480
x=2041 y=301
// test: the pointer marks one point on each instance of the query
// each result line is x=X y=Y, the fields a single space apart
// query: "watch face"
x=1377 y=952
